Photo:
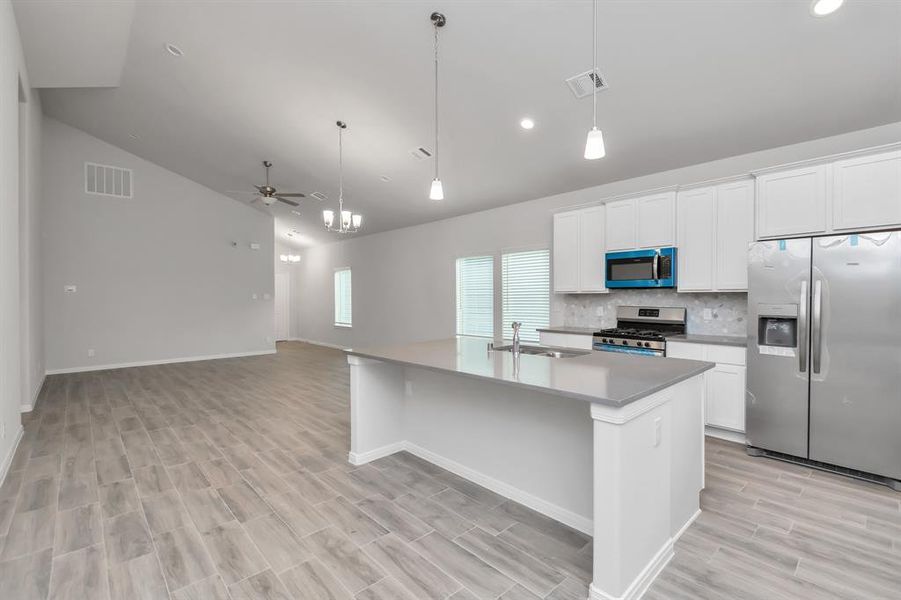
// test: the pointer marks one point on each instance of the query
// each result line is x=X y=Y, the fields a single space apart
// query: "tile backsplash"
x=729 y=311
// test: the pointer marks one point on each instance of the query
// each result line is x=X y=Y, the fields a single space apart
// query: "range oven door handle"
x=817 y=325
x=802 y=328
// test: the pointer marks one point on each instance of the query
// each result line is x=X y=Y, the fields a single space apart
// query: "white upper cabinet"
x=792 y=202
x=656 y=220
x=866 y=191
x=579 y=251
x=645 y=222
x=592 y=267
x=621 y=225
x=696 y=213
x=734 y=232
x=716 y=224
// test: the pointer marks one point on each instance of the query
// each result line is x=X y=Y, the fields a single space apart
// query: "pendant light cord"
x=436 y=100
x=340 y=171
x=594 y=64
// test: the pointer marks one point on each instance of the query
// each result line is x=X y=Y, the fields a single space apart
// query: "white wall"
x=157 y=276
x=30 y=274
x=21 y=360
x=403 y=280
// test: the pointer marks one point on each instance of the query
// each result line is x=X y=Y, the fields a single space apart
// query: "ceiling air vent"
x=421 y=153
x=104 y=180
x=319 y=196
x=583 y=84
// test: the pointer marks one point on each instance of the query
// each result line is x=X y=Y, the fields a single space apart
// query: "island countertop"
x=609 y=378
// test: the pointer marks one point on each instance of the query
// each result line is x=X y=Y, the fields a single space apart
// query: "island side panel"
x=530 y=446
x=648 y=473
x=376 y=409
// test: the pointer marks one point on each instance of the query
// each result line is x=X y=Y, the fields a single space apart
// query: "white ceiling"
x=74 y=43
x=690 y=81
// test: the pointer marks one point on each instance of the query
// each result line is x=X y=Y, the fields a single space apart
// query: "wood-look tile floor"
x=229 y=479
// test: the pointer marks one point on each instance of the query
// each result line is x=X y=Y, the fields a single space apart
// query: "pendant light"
x=436 y=192
x=594 y=143
x=348 y=222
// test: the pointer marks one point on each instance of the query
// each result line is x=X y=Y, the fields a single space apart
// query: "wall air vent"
x=319 y=196
x=104 y=180
x=421 y=153
x=582 y=85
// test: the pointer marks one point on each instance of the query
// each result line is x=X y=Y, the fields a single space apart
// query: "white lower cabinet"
x=724 y=385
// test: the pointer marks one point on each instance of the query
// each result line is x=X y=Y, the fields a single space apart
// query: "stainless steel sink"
x=544 y=351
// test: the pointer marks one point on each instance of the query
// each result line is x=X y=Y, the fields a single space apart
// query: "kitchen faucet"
x=516 y=325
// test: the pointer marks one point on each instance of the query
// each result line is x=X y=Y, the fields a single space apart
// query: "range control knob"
x=647 y=344
x=625 y=343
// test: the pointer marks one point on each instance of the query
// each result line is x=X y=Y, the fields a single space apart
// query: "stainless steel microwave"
x=654 y=268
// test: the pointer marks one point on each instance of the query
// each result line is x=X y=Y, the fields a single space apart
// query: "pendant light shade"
x=437 y=191
x=328 y=217
x=594 y=144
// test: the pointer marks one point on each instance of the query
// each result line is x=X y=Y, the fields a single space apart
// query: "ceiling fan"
x=268 y=194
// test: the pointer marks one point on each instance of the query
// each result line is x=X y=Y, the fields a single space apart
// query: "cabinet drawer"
x=685 y=350
x=565 y=340
x=730 y=355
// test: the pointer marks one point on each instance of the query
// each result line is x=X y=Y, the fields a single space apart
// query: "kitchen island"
x=609 y=444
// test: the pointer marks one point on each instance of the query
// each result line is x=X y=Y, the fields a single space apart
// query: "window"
x=343 y=311
x=475 y=296
x=526 y=292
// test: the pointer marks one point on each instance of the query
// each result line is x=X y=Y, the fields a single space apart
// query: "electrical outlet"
x=658 y=432
x=91 y=353
x=254 y=296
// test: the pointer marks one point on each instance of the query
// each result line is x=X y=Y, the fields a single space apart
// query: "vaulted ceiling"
x=690 y=81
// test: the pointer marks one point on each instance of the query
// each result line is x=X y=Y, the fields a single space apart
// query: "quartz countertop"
x=716 y=340
x=611 y=378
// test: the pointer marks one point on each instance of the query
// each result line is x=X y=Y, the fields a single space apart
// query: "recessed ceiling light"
x=527 y=123
x=821 y=8
x=174 y=50
x=296 y=212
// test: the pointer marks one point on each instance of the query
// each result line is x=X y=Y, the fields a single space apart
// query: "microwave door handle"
x=802 y=328
x=655 y=271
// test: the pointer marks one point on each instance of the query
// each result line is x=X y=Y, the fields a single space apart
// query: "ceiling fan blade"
x=241 y=192
x=286 y=201
x=294 y=195
x=259 y=188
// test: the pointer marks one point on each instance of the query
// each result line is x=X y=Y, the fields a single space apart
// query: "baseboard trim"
x=8 y=459
x=725 y=434
x=24 y=408
x=367 y=457
x=567 y=517
x=644 y=579
x=163 y=361
x=318 y=343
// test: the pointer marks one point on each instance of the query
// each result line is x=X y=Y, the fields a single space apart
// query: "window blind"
x=526 y=292
x=475 y=296
x=343 y=312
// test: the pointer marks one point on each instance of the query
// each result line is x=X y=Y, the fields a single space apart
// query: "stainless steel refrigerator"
x=824 y=351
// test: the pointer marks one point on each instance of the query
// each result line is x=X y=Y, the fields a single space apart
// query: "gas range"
x=641 y=330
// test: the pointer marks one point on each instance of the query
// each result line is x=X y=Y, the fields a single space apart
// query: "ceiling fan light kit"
x=349 y=221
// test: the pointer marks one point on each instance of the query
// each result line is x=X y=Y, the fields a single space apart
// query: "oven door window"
x=630 y=269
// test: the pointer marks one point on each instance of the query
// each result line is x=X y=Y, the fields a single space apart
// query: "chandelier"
x=348 y=222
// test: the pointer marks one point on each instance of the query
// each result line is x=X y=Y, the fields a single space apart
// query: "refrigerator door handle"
x=817 y=334
x=802 y=328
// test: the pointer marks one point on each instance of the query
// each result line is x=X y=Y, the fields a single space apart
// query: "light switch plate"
x=254 y=296
x=657 y=432
x=91 y=353
x=708 y=314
